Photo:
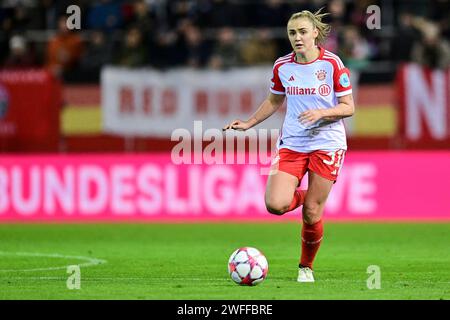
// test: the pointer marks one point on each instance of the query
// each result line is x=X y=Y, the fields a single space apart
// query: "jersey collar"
x=322 y=51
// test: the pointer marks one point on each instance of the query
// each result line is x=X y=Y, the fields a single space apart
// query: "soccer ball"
x=247 y=266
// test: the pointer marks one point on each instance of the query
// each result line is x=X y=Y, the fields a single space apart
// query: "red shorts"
x=326 y=164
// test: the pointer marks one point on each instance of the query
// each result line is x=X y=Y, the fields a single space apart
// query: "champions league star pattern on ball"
x=248 y=266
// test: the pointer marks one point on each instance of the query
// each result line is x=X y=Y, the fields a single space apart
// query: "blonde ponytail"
x=316 y=19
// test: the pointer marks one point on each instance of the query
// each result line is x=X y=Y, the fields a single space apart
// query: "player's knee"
x=311 y=212
x=311 y=207
x=276 y=207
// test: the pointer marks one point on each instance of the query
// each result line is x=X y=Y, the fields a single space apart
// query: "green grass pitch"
x=189 y=261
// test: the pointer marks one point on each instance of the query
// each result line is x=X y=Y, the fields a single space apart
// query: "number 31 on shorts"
x=336 y=158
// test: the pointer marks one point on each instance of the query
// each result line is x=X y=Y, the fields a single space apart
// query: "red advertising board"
x=372 y=186
x=30 y=102
x=424 y=101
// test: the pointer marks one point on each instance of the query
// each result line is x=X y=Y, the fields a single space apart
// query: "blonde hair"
x=316 y=20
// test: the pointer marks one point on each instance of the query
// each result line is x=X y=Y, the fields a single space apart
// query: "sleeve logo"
x=344 y=80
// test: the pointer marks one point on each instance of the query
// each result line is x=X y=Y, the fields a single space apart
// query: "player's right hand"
x=237 y=125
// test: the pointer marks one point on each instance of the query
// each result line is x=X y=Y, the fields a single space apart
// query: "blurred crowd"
x=217 y=34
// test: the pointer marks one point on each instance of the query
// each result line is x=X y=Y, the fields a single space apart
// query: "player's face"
x=302 y=35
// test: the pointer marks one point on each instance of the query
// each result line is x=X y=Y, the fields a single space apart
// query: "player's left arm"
x=343 y=91
x=345 y=108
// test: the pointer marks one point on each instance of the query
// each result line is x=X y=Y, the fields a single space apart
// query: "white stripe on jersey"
x=342 y=93
x=289 y=55
x=284 y=59
x=331 y=56
x=281 y=61
x=339 y=64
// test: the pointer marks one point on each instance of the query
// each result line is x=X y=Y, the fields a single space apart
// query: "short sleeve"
x=342 y=85
x=276 y=87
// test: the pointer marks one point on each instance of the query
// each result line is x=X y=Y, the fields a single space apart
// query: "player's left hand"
x=311 y=116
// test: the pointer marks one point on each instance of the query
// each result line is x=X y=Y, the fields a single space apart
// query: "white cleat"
x=305 y=274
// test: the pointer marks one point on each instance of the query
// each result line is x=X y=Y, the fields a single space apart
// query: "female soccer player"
x=319 y=95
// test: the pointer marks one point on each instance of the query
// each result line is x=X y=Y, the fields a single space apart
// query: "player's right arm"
x=271 y=104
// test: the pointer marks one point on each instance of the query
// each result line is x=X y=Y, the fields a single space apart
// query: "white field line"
x=174 y=280
x=89 y=261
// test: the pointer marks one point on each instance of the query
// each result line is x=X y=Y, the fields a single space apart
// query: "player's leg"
x=281 y=192
x=286 y=173
x=318 y=190
x=312 y=228
x=323 y=169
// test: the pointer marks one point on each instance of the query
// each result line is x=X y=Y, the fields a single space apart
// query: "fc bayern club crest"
x=321 y=74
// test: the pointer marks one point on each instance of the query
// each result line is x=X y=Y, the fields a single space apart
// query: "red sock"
x=298 y=200
x=311 y=238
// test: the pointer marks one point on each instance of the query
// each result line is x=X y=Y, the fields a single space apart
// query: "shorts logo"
x=344 y=80
x=321 y=74
x=324 y=90
x=336 y=159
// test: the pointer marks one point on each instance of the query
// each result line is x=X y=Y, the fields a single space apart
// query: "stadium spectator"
x=64 y=49
x=49 y=14
x=106 y=15
x=196 y=52
x=20 y=55
x=431 y=51
x=404 y=38
x=178 y=10
x=272 y=13
x=21 y=18
x=337 y=11
x=354 y=51
x=133 y=52
x=167 y=45
x=332 y=42
x=357 y=14
x=6 y=30
x=226 y=52
x=260 y=49
x=440 y=14
x=144 y=17
x=186 y=32
x=336 y=19
x=97 y=54
x=222 y=13
x=48 y=11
